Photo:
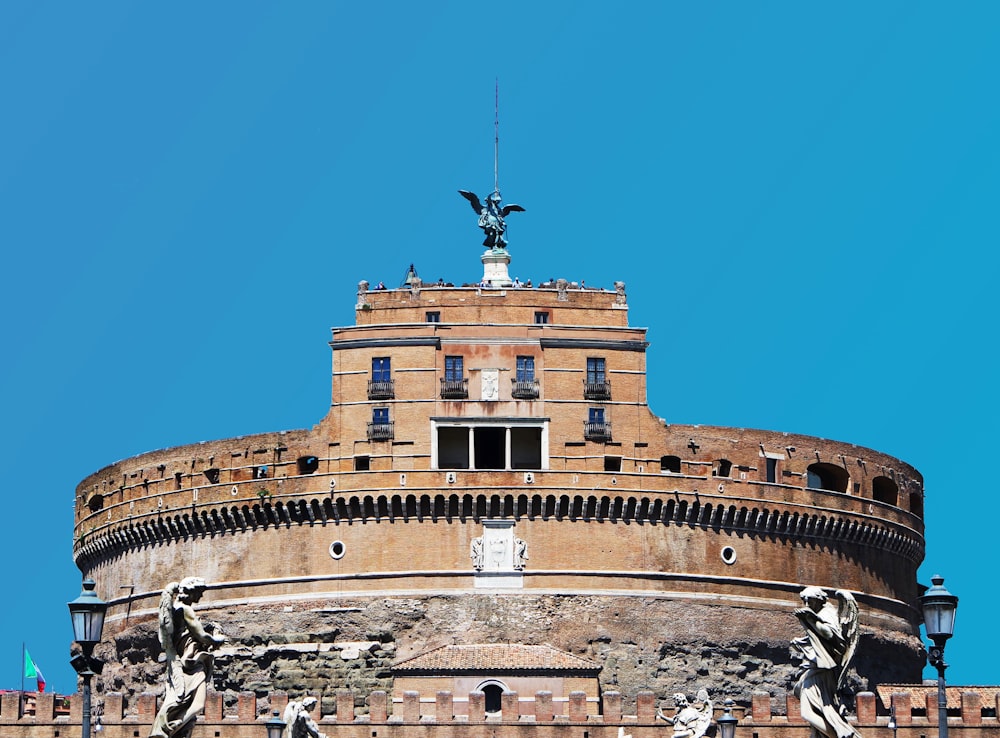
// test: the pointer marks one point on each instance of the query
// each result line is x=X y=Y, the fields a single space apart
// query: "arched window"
x=885 y=490
x=827 y=476
x=96 y=502
x=670 y=464
x=494 y=691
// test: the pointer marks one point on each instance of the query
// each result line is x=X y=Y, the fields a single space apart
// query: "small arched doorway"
x=493 y=690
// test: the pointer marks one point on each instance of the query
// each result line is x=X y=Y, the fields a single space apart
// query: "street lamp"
x=727 y=723
x=87 y=612
x=891 y=725
x=275 y=727
x=938 y=606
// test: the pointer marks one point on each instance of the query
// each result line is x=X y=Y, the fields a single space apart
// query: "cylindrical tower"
x=489 y=472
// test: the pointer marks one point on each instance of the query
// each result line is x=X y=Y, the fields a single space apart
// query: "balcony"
x=597 y=431
x=596 y=390
x=380 y=431
x=454 y=389
x=524 y=389
x=381 y=390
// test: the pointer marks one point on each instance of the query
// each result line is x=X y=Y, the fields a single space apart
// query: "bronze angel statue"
x=826 y=651
x=491 y=217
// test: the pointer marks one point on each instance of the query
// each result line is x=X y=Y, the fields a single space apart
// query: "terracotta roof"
x=919 y=693
x=496 y=657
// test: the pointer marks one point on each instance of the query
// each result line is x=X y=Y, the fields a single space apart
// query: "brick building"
x=489 y=473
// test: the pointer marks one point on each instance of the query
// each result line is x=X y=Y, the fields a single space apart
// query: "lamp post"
x=938 y=606
x=891 y=725
x=275 y=726
x=727 y=723
x=87 y=612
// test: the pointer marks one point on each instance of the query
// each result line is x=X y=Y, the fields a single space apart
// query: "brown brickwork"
x=651 y=515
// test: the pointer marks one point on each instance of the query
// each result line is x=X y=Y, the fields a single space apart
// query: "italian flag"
x=33 y=672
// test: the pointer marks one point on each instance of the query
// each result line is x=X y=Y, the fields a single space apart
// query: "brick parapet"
x=528 y=715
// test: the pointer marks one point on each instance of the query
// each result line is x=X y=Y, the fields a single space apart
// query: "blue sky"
x=801 y=198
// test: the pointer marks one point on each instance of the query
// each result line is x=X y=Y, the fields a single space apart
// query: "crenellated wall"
x=538 y=716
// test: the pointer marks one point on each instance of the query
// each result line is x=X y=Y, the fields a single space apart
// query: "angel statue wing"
x=705 y=718
x=165 y=619
x=508 y=209
x=473 y=200
x=847 y=614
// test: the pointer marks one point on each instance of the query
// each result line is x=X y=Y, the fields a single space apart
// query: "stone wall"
x=321 y=646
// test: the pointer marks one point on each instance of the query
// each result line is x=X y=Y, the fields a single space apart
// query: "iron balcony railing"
x=380 y=431
x=596 y=390
x=524 y=389
x=454 y=389
x=381 y=389
x=597 y=431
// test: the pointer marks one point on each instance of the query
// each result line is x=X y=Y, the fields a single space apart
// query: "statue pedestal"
x=495 y=264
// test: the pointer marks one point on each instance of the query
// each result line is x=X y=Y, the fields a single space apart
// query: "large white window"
x=484 y=444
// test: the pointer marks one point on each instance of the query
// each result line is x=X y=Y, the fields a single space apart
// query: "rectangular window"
x=381 y=369
x=596 y=416
x=541 y=318
x=433 y=316
x=772 y=469
x=454 y=370
x=380 y=415
x=525 y=369
x=362 y=463
x=595 y=371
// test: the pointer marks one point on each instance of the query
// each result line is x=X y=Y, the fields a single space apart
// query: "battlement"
x=445 y=715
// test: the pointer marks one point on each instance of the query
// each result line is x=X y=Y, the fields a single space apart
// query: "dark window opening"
x=525 y=371
x=433 y=316
x=259 y=472
x=525 y=386
x=670 y=464
x=177 y=480
x=96 y=502
x=453 y=448
x=596 y=428
x=454 y=385
x=827 y=476
x=723 y=468
x=526 y=448
x=772 y=469
x=380 y=429
x=381 y=369
x=362 y=463
x=885 y=490
x=212 y=475
x=489 y=446
x=596 y=385
x=541 y=318
x=595 y=371
x=307 y=464
x=493 y=701
x=454 y=368
x=612 y=463
x=917 y=504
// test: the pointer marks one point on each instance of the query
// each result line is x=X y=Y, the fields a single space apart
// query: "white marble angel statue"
x=690 y=721
x=187 y=646
x=826 y=651
x=298 y=722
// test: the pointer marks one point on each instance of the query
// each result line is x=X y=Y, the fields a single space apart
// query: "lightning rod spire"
x=496 y=135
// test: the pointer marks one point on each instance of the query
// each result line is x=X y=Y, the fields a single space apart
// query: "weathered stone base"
x=643 y=643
